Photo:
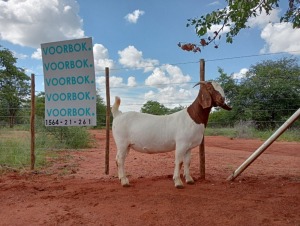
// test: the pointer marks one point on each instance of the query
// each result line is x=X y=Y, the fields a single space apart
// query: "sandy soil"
x=74 y=190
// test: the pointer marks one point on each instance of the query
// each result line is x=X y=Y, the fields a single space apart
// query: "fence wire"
x=15 y=138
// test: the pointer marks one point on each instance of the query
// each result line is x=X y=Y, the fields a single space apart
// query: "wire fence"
x=15 y=139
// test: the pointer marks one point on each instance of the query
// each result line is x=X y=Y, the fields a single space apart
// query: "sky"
x=138 y=40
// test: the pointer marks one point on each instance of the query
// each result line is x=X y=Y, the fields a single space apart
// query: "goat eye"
x=220 y=98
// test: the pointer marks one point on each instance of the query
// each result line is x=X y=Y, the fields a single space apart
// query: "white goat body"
x=180 y=131
x=153 y=134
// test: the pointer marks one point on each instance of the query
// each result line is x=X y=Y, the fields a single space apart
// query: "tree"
x=14 y=85
x=269 y=93
x=154 y=108
x=101 y=111
x=175 y=109
x=40 y=105
x=271 y=90
x=235 y=16
x=229 y=85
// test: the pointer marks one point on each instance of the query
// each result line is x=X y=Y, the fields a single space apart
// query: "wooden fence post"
x=32 y=124
x=107 y=121
x=201 y=147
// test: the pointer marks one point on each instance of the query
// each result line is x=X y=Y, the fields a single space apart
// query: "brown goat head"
x=212 y=95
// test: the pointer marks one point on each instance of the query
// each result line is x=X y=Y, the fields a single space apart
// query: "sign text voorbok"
x=70 y=89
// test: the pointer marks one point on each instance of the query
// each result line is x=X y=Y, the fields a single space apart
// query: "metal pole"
x=107 y=121
x=201 y=147
x=265 y=145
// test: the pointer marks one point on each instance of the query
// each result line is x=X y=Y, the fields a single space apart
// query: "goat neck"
x=197 y=112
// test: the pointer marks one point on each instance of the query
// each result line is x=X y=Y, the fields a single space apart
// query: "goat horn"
x=198 y=83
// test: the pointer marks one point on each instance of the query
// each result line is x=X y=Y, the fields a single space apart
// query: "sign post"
x=70 y=88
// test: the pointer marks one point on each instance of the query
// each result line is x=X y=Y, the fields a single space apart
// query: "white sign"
x=70 y=89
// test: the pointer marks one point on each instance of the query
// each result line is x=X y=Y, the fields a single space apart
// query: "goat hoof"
x=190 y=182
x=189 y=179
x=126 y=185
x=125 y=182
x=178 y=183
x=179 y=186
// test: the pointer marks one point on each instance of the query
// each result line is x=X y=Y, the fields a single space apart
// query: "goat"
x=180 y=131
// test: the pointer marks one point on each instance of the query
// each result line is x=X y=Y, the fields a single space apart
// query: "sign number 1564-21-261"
x=68 y=122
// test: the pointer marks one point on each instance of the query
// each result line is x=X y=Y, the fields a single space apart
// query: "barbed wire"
x=246 y=109
x=249 y=56
x=27 y=125
x=173 y=102
x=23 y=121
x=195 y=62
x=124 y=86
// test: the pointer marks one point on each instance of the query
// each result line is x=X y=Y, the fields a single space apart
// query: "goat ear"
x=205 y=98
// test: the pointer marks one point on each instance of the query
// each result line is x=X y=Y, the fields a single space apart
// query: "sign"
x=69 y=77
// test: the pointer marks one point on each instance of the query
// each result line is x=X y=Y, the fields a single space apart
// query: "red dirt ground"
x=74 y=189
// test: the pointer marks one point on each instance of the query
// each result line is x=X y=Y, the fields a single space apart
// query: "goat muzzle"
x=226 y=107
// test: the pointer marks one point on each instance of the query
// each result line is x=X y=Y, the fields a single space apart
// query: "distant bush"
x=65 y=137
x=247 y=130
x=244 y=129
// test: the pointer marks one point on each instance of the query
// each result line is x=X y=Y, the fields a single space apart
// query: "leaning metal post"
x=265 y=145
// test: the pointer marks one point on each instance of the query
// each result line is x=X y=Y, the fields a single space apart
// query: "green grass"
x=15 y=145
x=15 y=150
x=289 y=135
x=251 y=133
x=226 y=132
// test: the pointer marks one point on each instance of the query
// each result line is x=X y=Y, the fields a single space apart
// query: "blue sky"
x=138 y=40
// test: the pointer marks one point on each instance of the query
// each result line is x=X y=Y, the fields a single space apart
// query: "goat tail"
x=115 y=108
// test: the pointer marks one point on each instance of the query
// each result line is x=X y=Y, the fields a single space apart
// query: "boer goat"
x=180 y=131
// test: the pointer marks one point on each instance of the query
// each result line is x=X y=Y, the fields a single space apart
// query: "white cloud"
x=167 y=74
x=281 y=37
x=113 y=82
x=150 y=95
x=19 y=55
x=37 y=54
x=100 y=81
x=240 y=74
x=176 y=74
x=158 y=77
x=173 y=95
x=263 y=19
x=134 y=16
x=278 y=37
x=217 y=28
x=259 y=21
x=101 y=58
x=214 y=3
x=32 y=22
x=132 y=58
x=131 y=81
x=169 y=81
x=170 y=96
